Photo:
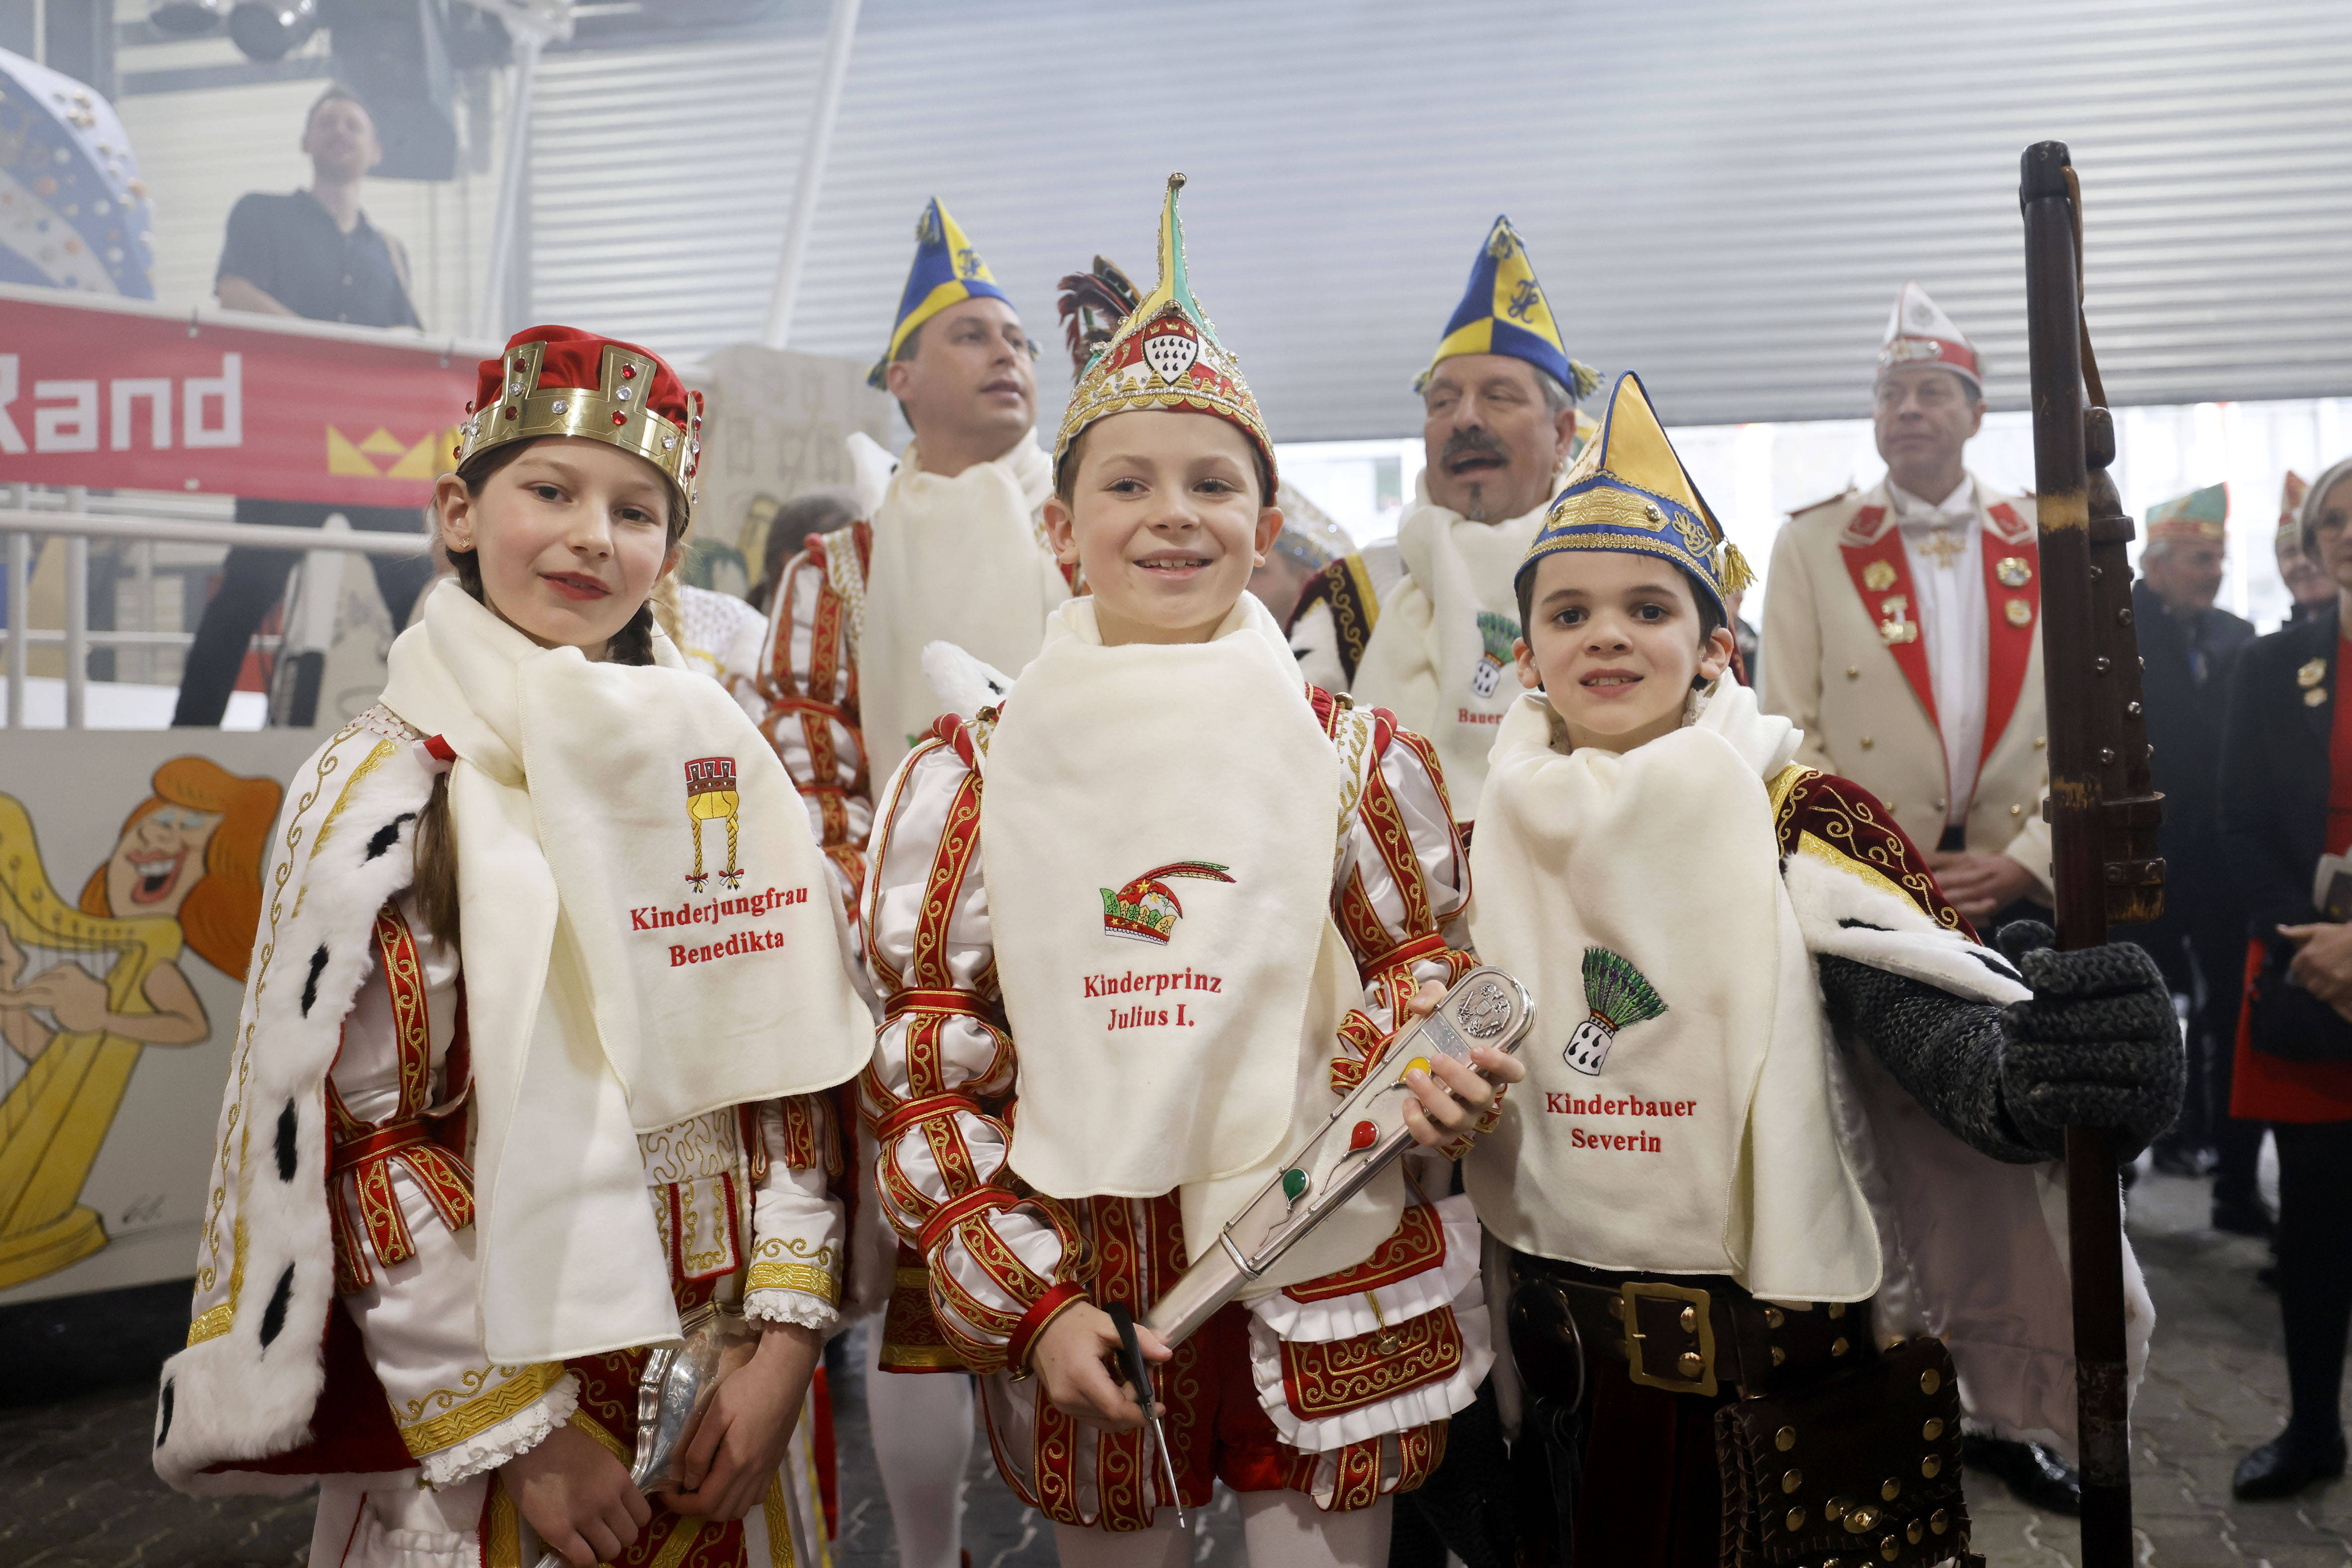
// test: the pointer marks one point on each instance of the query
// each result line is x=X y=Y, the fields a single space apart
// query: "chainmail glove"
x=2098 y=1046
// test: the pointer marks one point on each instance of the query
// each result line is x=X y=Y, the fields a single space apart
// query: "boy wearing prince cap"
x=1137 y=925
x=1783 y=1112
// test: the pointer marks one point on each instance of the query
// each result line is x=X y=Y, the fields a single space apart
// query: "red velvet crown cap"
x=572 y=359
x=561 y=381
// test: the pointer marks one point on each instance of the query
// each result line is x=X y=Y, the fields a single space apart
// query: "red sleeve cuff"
x=1050 y=1306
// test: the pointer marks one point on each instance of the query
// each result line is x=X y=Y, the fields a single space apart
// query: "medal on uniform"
x=1896 y=628
x=1944 y=544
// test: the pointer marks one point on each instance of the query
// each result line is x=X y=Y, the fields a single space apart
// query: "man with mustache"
x=1902 y=634
x=1425 y=627
x=956 y=552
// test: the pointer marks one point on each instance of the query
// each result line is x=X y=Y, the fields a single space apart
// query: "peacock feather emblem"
x=1496 y=635
x=1147 y=909
x=1620 y=998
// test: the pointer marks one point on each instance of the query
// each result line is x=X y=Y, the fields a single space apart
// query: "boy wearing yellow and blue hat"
x=1423 y=627
x=1788 y=1121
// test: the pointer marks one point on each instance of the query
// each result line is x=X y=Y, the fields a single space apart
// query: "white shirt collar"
x=1959 y=504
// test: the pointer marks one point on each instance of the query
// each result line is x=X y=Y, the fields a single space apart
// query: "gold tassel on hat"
x=1737 y=577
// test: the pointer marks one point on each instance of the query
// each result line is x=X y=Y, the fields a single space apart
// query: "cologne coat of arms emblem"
x=1171 y=352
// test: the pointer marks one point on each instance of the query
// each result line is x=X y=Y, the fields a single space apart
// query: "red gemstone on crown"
x=619 y=417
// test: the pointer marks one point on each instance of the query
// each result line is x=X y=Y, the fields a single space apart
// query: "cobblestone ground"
x=76 y=1491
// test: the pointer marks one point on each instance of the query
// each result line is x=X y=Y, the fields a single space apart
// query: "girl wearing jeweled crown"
x=1791 y=1165
x=1068 y=1109
x=512 y=1101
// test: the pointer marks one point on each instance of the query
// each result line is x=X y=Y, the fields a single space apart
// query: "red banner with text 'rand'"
x=135 y=397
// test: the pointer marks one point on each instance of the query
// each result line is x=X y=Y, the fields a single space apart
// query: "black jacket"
x=2184 y=718
x=2274 y=769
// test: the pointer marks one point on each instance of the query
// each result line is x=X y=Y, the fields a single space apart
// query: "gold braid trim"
x=1780 y=786
x=210 y=1325
x=779 y=1517
x=683 y=1534
x=480 y=1415
x=808 y=1278
x=1813 y=847
x=502 y=1542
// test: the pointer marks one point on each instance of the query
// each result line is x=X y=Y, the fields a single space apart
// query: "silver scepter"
x=1364 y=1136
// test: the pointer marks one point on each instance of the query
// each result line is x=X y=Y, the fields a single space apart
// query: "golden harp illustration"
x=63 y=1085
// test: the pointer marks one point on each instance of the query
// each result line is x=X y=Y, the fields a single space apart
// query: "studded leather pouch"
x=1862 y=1469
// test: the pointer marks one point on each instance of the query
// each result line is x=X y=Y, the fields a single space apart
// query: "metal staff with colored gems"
x=1365 y=1135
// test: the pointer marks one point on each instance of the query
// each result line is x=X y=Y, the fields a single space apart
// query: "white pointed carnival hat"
x=1918 y=332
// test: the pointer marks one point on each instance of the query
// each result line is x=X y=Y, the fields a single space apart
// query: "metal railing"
x=19 y=521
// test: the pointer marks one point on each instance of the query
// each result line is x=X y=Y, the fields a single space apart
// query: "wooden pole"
x=2101 y=810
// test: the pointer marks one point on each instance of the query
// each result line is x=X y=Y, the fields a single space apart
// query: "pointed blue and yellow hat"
x=1503 y=312
x=1166 y=354
x=1628 y=492
x=946 y=271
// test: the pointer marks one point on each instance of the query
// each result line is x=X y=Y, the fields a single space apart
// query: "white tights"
x=922 y=1442
x=1279 y=1529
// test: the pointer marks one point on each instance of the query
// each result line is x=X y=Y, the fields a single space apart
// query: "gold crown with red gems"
x=637 y=404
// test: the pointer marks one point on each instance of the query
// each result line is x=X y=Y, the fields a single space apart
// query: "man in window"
x=311 y=253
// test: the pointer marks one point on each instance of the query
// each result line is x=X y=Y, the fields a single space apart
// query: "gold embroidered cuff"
x=809 y=1278
x=463 y=1417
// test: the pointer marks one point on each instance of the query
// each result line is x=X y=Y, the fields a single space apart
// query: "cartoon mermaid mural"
x=85 y=987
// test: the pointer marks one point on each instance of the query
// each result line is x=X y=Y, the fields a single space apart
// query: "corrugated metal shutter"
x=1725 y=196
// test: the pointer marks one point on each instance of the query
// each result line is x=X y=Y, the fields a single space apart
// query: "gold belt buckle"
x=1698 y=1306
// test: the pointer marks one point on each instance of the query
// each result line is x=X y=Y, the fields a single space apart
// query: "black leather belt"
x=1687 y=1334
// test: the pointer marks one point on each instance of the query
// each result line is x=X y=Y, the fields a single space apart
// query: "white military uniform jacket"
x=1844 y=658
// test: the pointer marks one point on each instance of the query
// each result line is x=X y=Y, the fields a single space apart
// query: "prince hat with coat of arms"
x=1166 y=355
x=1628 y=492
x=946 y=271
x=1503 y=312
